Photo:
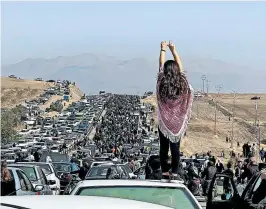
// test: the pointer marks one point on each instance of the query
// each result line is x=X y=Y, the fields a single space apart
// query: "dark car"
x=106 y=171
x=64 y=172
x=227 y=196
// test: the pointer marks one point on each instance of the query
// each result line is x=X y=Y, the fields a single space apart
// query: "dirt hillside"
x=75 y=95
x=201 y=135
x=16 y=91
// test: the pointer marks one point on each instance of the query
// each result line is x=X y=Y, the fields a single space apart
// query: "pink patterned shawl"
x=173 y=115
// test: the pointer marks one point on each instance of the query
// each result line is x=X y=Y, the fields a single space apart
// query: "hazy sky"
x=230 y=31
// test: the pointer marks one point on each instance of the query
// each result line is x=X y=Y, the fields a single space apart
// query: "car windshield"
x=30 y=173
x=62 y=167
x=98 y=171
x=45 y=167
x=167 y=196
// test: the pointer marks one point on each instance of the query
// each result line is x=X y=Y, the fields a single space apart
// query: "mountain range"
x=93 y=72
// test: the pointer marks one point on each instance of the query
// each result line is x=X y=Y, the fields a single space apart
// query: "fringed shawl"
x=174 y=114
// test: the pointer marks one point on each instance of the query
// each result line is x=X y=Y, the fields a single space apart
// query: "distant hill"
x=96 y=72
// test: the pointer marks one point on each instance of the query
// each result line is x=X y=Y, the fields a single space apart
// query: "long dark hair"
x=171 y=83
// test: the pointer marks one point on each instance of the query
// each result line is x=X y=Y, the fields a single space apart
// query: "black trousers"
x=175 y=152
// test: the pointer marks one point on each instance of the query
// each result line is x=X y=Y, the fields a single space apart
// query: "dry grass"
x=15 y=91
x=245 y=108
x=201 y=132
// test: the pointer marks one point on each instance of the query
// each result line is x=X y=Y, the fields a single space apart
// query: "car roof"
x=33 y=163
x=70 y=202
x=12 y=168
x=62 y=163
x=22 y=165
x=124 y=182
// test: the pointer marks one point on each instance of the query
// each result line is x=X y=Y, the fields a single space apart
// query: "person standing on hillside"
x=174 y=98
x=219 y=166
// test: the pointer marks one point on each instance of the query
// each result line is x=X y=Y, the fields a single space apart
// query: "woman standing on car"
x=174 y=97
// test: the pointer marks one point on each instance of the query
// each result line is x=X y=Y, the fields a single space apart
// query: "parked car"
x=50 y=174
x=36 y=176
x=105 y=171
x=219 y=199
x=23 y=185
x=155 y=192
x=70 y=202
x=65 y=171
x=128 y=170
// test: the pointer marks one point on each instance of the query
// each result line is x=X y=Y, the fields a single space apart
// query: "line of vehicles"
x=109 y=182
x=55 y=135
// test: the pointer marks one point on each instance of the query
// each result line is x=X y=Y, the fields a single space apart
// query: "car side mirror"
x=38 y=188
x=51 y=182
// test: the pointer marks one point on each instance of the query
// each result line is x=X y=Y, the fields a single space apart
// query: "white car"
x=49 y=126
x=50 y=173
x=23 y=147
x=55 y=149
x=24 y=132
x=40 y=145
x=71 y=202
x=22 y=141
x=174 y=194
x=35 y=129
x=69 y=130
x=31 y=142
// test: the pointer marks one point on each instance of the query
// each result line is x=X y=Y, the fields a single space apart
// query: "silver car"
x=23 y=186
x=36 y=176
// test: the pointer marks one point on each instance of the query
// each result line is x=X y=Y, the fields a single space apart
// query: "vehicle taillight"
x=38 y=193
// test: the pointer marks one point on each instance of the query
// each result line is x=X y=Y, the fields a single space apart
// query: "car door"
x=249 y=191
x=26 y=187
x=44 y=182
x=222 y=193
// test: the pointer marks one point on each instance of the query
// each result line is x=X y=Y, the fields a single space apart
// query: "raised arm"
x=175 y=55
x=162 y=54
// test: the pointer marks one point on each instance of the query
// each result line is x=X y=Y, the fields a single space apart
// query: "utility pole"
x=257 y=125
x=233 y=119
x=203 y=78
x=208 y=85
x=218 y=88
x=197 y=106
